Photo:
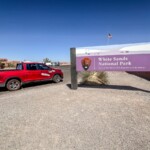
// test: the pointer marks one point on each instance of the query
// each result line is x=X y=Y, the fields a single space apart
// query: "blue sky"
x=36 y=29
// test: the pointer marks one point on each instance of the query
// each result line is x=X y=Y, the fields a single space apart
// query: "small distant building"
x=3 y=59
x=48 y=63
x=52 y=64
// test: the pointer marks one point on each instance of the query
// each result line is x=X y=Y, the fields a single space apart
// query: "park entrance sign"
x=123 y=57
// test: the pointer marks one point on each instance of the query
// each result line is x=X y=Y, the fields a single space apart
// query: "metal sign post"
x=74 y=84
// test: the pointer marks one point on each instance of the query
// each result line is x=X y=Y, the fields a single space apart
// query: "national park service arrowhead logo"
x=86 y=62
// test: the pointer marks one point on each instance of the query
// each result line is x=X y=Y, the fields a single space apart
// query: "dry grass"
x=94 y=78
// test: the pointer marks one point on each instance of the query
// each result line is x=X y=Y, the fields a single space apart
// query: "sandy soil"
x=54 y=117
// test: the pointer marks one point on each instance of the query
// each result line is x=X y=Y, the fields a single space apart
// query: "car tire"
x=13 y=85
x=56 y=78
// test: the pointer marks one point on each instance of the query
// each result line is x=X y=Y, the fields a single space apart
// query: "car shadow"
x=3 y=89
x=115 y=87
x=35 y=84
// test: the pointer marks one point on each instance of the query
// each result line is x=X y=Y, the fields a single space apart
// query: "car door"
x=45 y=72
x=32 y=72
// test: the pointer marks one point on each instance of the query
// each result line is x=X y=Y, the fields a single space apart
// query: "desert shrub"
x=11 y=65
x=2 y=65
x=94 y=78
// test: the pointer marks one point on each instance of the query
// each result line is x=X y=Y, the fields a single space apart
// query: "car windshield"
x=43 y=67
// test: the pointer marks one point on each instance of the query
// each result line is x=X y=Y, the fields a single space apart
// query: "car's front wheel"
x=56 y=78
x=13 y=85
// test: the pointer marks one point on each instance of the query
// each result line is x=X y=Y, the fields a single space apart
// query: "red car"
x=28 y=72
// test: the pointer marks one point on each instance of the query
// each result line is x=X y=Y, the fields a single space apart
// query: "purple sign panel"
x=134 y=62
x=125 y=57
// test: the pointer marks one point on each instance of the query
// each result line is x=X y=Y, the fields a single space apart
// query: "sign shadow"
x=115 y=87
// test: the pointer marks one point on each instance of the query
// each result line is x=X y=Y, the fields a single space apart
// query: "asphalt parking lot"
x=54 y=117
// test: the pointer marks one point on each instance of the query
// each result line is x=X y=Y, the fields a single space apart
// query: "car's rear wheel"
x=13 y=85
x=56 y=78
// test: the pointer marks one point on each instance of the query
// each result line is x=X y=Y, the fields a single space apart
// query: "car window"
x=19 y=67
x=43 y=67
x=31 y=67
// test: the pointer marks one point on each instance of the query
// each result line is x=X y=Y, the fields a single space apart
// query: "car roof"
x=32 y=63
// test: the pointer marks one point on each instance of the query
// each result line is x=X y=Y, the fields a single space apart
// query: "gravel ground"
x=53 y=117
